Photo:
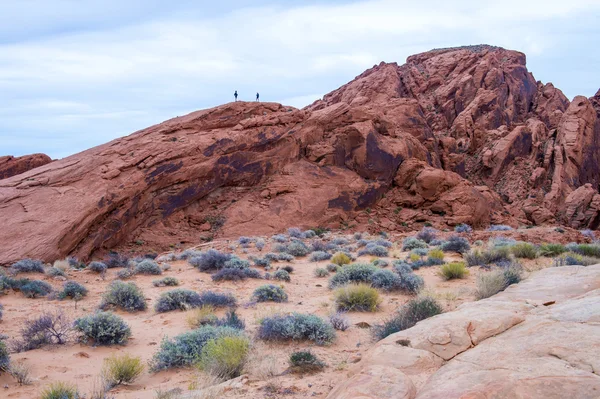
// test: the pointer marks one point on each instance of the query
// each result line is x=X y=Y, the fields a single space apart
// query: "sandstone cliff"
x=11 y=166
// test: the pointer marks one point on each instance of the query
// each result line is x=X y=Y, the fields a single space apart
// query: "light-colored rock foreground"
x=538 y=339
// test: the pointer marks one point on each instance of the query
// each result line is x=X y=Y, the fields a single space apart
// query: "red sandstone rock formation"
x=453 y=136
x=11 y=166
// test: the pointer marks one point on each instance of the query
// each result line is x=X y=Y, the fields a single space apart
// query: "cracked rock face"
x=508 y=346
x=461 y=135
x=12 y=166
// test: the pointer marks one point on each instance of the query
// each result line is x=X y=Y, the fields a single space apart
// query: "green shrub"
x=27 y=266
x=340 y=259
x=225 y=357
x=97 y=267
x=357 y=297
x=318 y=256
x=127 y=296
x=204 y=315
x=305 y=362
x=122 y=369
x=321 y=272
x=296 y=326
x=73 y=290
x=297 y=248
x=332 y=268
x=478 y=257
x=453 y=270
x=407 y=316
x=455 y=244
x=410 y=243
x=354 y=273
x=55 y=272
x=60 y=390
x=35 y=288
x=4 y=357
x=552 y=250
x=269 y=292
x=591 y=250
x=386 y=280
x=103 y=328
x=524 y=250
x=281 y=275
x=166 y=282
x=186 y=349
x=435 y=255
x=148 y=267
x=493 y=282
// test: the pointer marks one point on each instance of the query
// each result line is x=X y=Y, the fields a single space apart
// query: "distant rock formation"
x=12 y=166
x=462 y=135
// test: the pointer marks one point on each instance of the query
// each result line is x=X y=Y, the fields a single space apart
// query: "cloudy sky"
x=78 y=73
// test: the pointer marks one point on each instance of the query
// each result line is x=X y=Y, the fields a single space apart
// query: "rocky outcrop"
x=539 y=338
x=462 y=135
x=11 y=166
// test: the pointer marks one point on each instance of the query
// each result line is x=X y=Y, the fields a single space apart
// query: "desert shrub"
x=235 y=274
x=354 y=273
x=210 y=260
x=4 y=356
x=453 y=270
x=287 y=268
x=269 y=292
x=60 y=390
x=588 y=233
x=357 y=297
x=318 y=245
x=47 y=329
x=73 y=290
x=501 y=241
x=435 y=257
x=463 y=228
x=408 y=315
x=591 y=250
x=179 y=298
x=115 y=259
x=478 y=257
x=332 y=268
x=236 y=263
x=305 y=362
x=1 y=309
x=259 y=244
x=127 y=296
x=339 y=241
x=21 y=372
x=499 y=227
x=321 y=272
x=285 y=257
x=552 y=250
x=97 y=267
x=420 y=252
x=573 y=259
x=493 y=282
x=103 y=328
x=296 y=326
x=201 y=316
x=231 y=319
x=340 y=259
x=380 y=262
x=386 y=280
x=169 y=257
x=35 y=288
x=166 y=282
x=55 y=272
x=339 y=321
x=281 y=275
x=318 y=256
x=27 y=266
x=311 y=233
x=225 y=357
x=75 y=263
x=409 y=282
x=524 y=250
x=427 y=234
x=279 y=238
x=186 y=349
x=245 y=240
x=272 y=256
x=262 y=262
x=121 y=369
x=410 y=243
x=455 y=244
x=148 y=267
x=512 y=274
x=125 y=273
x=295 y=232
x=297 y=248
x=9 y=283
x=373 y=250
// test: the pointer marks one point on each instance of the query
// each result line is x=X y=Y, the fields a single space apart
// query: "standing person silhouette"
x=235 y=95
x=257 y=97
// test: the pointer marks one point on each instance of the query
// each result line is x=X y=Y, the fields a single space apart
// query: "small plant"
x=4 y=356
x=210 y=260
x=236 y=263
x=35 y=288
x=407 y=316
x=73 y=290
x=453 y=270
x=122 y=369
x=225 y=357
x=166 y=282
x=456 y=244
x=427 y=234
x=339 y=321
x=262 y=262
x=115 y=259
x=499 y=227
x=55 y=272
x=435 y=256
x=97 y=267
x=232 y=320
x=186 y=349
x=288 y=268
x=148 y=267
x=21 y=372
x=340 y=259
x=235 y=274
x=297 y=248
x=60 y=390
x=127 y=296
x=295 y=232
x=296 y=326
x=305 y=362
x=373 y=250
x=355 y=273
x=281 y=275
x=386 y=280
x=463 y=228
x=27 y=266
x=46 y=329
x=269 y=292
x=319 y=256
x=321 y=272
x=489 y=284
x=126 y=273
x=359 y=297
x=332 y=268
x=103 y=328
x=180 y=298
x=280 y=238
x=410 y=243
x=552 y=250
x=524 y=250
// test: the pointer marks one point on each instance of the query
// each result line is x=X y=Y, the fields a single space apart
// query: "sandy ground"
x=81 y=364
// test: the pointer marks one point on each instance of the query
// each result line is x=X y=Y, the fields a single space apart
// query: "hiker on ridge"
x=257 y=97
x=235 y=95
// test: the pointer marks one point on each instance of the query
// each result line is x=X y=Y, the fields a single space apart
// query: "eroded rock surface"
x=537 y=339
x=463 y=135
x=12 y=166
